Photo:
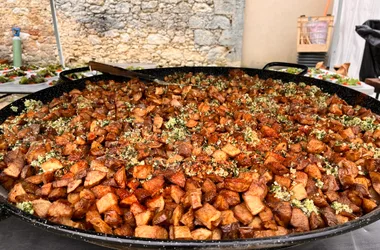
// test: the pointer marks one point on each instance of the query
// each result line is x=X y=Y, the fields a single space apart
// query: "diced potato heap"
x=224 y=157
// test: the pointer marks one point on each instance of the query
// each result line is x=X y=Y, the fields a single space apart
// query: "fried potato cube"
x=228 y=217
x=216 y=234
x=220 y=203
x=283 y=181
x=195 y=196
x=178 y=178
x=232 y=197
x=46 y=189
x=153 y=232
x=237 y=184
x=106 y=202
x=73 y=198
x=121 y=177
x=41 y=207
x=208 y=186
x=154 y=185
x=368 y=205
x=35 y=179
x=73 y=185
x=17 y=190
x=176 y=193
x=143 y=218
x=231 y=150
x=129 y=200
x=191 y=123
x=137 y=208
x=201 y=234
x=315 y=146
x=242 y=213
x=375 y=178
x=299 y=220
x=156 y=203
x=256 y=223
x=99 y=225
x=60 y=209
x=177 y=215
x=94 y=178
x=142 y=171
x=253 y=203
x=268 y=132
x=273 y=157
x=51 y=165
x=313 y=171
x=208 y=215
x=101 y=190
x=188 y=219
x=301 y=177
x=298 y=192
x=220 y=156
x=182 y=233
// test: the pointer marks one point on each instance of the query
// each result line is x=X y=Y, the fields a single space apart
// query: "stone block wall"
x=37 y=34
x=162 y=32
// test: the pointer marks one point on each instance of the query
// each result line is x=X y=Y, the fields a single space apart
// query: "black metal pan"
x=351 y=96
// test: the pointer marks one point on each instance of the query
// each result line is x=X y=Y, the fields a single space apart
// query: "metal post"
x=56 y=32
x=335 y=38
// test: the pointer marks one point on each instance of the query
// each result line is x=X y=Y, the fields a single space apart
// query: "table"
x=17 y=234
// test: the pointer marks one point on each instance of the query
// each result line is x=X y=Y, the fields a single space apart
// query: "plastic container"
x=317 y=31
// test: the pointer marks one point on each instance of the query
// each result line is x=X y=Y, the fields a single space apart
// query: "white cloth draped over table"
x=350 y=46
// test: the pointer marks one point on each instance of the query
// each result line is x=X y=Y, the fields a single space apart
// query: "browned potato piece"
x=154 y=185
x=41 y=207
x=231 y=197
x=51 y=165
x=313 y=171
x=178 y=178
x=143 y=218
x=99 y=225
x=121 y=177
x=153 y=232
x=177 y=215
x=106 y=202
x=73 y=185
x=220 y=156
x=60 y=209
x=142 y=171
x=94 y=178
x=237 y=184
x=315 y=146
x=176 y=193
x=231 y=150
x=375 y=178
x=182 y=233
x=299 y=192
x=228 y=217
x=242 y=213
x=368 y=205
x=201 y=234
x=253 y=203
x=17 y=190
x=15 y=162
x=157 y=203
x=208 y=215
x=299 y=220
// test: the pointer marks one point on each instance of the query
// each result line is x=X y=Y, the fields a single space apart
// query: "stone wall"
x=162 y=32
x=34 y=19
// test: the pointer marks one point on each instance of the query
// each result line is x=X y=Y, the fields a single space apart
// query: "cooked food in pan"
x=221 y=158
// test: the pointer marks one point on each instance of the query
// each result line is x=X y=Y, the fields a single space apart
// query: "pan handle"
x=288 y=65
x=64 y=74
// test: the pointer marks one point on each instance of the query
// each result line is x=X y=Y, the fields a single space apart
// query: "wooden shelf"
x=304 y=43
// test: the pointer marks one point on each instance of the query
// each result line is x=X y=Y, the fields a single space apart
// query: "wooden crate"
x=303 y=39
